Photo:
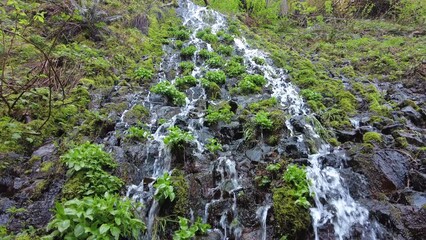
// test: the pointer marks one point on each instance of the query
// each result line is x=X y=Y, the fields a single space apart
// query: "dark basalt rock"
x=298 y=123
x=348 y=136
x=418 y=180
x=292 y=148
x=394 y=166
x=416 y=117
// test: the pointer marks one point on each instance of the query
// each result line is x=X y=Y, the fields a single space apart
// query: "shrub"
x=263 y=105
x=214 y=145
x=262 y=120
x=218 y=77
x=177 y=138
x=234 y=69
x=371 y=137
x=252 y=84
x=142 y=74
x=106 y=217
x=182 y=35
x=221 y=112
x=225 y=50
x=137 y=133
x=210 y=38
x=296 y=178
x=259 y=61
x=167 y=89
x=215 y=62
x=227 y=39
x=206 y=54
x=188 y=52
x=186 y=82
x=164 y=189
x=212 y=89
x=186 y=67
x=187 y=232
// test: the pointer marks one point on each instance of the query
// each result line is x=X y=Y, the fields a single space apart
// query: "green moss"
x=39 y=188
x=215 y=62
x=234 y=69
x=188 y=52
x=218 y=113
x=212 y=89
x=372 y=137
x=136 y=113
x=181 y=189
x=46 y=166
x=185 y=82
x=402 y=142
x=217 y=77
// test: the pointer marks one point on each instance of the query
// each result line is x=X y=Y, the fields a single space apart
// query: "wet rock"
x=394 y=166
x=413 y=115
x=230 y=132
x=298 y=123
x=388 y=129
x=348 y=136
x=412 y=138
x=292 y=148
x=255 y=154
x=409 y=197
x=45 y=152
x=212 y=235
x=418 y=180
x=355 y=183
x=331 y=160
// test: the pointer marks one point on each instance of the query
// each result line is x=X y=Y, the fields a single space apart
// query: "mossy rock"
x=372 y=137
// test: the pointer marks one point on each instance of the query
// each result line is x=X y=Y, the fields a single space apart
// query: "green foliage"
x=207 y=36
x=87 y=165
x=206 y=54
x=218 y=77
x=217 y=113
x=259 y=61
x=167 y=89
x=215 y=62
x=142 y=74
x=263 y=105
x=262 y=120
x=164 y=188
x=107 y=217
x=188 y=52
x=186 y=82
x=137 y=133
x=225 y=50
x=177 y=138
x=187 y=232
x=296 y=178
x=234 y=69
x=186 y=67
x=372 y=137
x=213 y=145
x=212 y=89
x=273 y=167
x=252 y=84
x=181 y=35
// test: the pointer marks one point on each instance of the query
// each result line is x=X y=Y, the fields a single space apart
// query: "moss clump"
x=169 y=90
x=234 y=69
x=212 y=89
x=251 y=84
x=188 y=52
x=181 y=190
x=136 y=114
x=186 y=82
x=219 y=113
x=215 y=61
x=217 y=77
x=372 y=137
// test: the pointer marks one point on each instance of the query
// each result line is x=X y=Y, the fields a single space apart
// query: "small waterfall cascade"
x=334 y=207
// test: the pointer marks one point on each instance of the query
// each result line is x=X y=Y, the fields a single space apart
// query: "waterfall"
x=333 y=203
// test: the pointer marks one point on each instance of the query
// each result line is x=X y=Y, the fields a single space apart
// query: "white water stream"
x=333 y=204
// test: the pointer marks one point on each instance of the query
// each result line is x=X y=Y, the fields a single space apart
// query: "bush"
x=212 y=89
x=142 y=74
x=137 y=133
x=218 y=77
x=106 y=217
x=371 y=137
x=167 y=89
x=225 y=50
x=177 y=138
x=262 y=120
x=186 y=67
x=252 y=84
x=215 y=62
x=182 y=35
x=234 y=69
x=188 y=52
x=259 y=61
x=214 y=145
x=186 y=82
x=164 y=189
x=206 y=54
x=221 y=112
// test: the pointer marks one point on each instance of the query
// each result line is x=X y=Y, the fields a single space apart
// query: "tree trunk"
x=283 y=8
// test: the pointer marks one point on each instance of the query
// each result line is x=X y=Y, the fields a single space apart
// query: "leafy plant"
x=142 y=74
x=177 y=138
x=107 y=217
x=212 y=89
x=186 y=67
x=213 y=145
x=234 y=69
x=273 y=167
x=296 y=178
x=137 y=133
x=188 y=52
x=167 y=89
x=259 y=61
x=206 y=54
x=262 y=120
x=252 y=84
x=215 y=62
x=164 y=188
x=186 y=82
x=225 y=50
x=220 y=112
x=186 y=232
x=218 y=77
x=181 y=35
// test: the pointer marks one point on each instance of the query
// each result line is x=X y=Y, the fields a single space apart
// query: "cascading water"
x=333 y=204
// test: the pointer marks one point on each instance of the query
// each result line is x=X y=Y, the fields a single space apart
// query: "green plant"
x=225 y=50
x=107 y=217
x=169 y=90
x=181 y=35
x=186 y=82
x=234 y=69
x=215 y=62
x=262 y=120
x=137 y=133
x=213 y=145
x=164 y=188
x=259 y=61
x=212 y=89
x=220 y=112
x=186 y=232
x=142 y=74
x=296 y=178
x=371 y=137
x=252 y=84
x=218 y=77
x=188 y=52
x=186 y=67
x=273 y=167
x=206 y=54
x=177 y=138
x=87 y=165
